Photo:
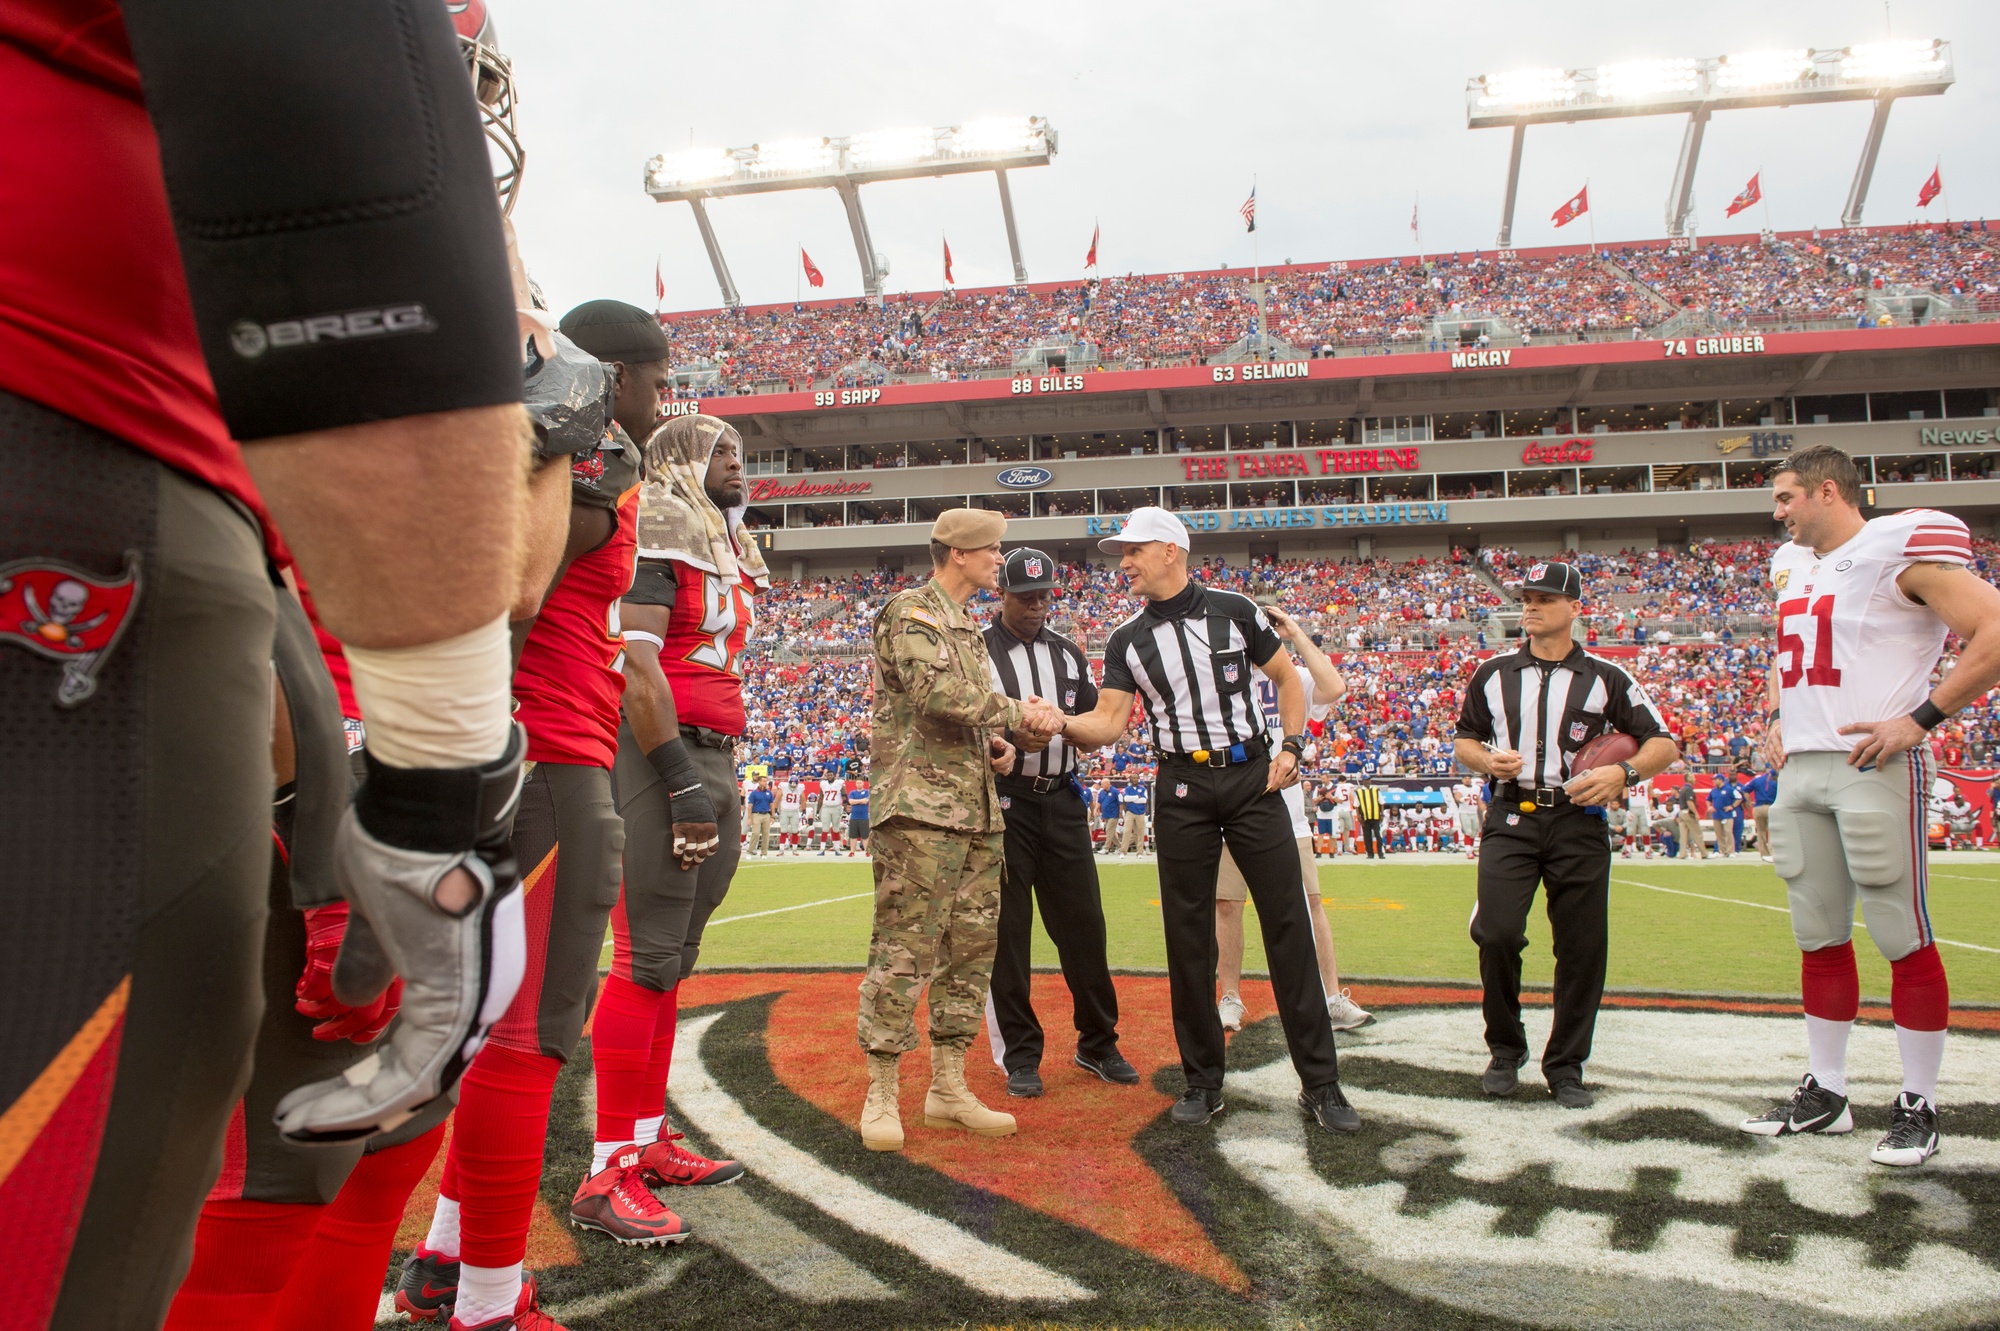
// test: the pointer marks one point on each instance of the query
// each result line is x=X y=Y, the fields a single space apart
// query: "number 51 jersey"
x=1851 y=646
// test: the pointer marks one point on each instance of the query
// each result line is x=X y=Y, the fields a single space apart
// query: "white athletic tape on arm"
x=444 y=704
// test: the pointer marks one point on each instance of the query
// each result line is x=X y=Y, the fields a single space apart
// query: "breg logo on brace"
x=251 y=340
x=1025 y=478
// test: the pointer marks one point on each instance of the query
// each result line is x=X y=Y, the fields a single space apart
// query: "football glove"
x=326 y=926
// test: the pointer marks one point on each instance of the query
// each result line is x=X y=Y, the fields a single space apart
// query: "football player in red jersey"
x=568 y=838
x=685 y=621
x=323 y=307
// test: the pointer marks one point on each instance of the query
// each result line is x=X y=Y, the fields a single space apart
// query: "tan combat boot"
x=881 y=1116
x=951 y=1103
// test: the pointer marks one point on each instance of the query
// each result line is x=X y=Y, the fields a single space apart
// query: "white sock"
x=1826 y=1052
x=486 y=1293
x=443 y=1238
x=1922 y=1051
x=601 y=1153
x=647 y=1130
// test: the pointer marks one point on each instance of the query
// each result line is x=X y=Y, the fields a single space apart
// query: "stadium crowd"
x=1140 y=320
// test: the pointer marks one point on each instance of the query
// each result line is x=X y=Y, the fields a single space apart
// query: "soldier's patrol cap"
x=1554 y=577
x=969 y=528
x=1027 y=570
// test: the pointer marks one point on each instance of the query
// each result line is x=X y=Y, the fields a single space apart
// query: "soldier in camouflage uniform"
x=937 y=830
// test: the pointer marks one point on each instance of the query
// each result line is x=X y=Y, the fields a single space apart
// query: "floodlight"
x=1762 y=69
x=843 y=165
x=1882 y=62
x=1878 y=72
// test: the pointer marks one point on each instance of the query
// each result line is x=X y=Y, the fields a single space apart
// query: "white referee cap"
x=1146 y=524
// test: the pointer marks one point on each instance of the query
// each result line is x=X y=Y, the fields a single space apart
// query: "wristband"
x=1929 y=715
x=1771 y=715
x=684 y=789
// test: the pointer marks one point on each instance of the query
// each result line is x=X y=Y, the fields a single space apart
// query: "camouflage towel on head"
x=677 y=519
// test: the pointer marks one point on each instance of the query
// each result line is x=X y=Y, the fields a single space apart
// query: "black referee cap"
x=1027 y=570
x=1554 y=577
x=613 y=330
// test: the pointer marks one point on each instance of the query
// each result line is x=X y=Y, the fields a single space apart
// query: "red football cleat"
x=616 y=1201
x=527 y=1315
x=667 y=1161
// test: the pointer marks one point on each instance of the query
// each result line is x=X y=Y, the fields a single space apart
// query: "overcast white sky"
x=1343 y=113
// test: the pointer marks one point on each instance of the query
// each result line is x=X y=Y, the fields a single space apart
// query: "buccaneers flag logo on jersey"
x=68 y=614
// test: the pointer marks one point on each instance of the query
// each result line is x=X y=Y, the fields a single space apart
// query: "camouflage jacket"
x=934 y=707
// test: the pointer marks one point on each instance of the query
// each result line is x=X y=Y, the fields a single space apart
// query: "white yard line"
x=1783 y=910
x=780 y=910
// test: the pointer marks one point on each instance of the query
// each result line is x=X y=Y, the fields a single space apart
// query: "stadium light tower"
x=1878 y=71
x=844 y=165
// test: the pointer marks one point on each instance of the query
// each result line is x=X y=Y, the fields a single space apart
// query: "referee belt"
x=1236 y=753
x=1039 y=785
x=1530 y=798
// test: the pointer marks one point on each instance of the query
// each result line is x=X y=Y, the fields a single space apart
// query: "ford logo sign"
x=1025 y=478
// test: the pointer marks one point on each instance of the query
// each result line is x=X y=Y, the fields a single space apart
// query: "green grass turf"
x=1409 y=921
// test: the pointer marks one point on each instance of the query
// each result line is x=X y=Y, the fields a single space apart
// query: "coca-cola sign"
x=1567 y=452
x=766 y=488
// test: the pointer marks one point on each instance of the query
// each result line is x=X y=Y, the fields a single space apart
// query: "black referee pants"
x=1049 y=862
x=1371 y=838
x=1195 y=809
x=1569 y=852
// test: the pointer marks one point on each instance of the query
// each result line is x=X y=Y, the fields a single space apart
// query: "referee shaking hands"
x=1526 y=715
x=1047 y=843
x=1191 y=651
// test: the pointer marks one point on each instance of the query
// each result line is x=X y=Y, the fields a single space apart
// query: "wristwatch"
x=1295 y=745
x=1631 y=773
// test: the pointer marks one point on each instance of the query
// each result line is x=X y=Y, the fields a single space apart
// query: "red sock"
x=499 y=1136
x=621 y=1036
x=1919 y=995
x=1830 y=983
x=243 y=1254
x=337 y=1285
x=661 y=1056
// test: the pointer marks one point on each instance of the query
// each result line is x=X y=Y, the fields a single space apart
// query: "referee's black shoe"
x=1330 y=1109
x=1112 y=1067
x=1024 y=1083
x=1196 y=1107
x=1570 y=1093
x=1502 y=1075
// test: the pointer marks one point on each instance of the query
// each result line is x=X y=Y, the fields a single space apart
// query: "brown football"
x=1605 y=751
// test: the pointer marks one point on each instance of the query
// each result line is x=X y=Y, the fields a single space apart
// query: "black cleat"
x=1501 y=1075
x=1330 y=1109
x=1570 y=1093
x=428 y=1288
x=1112 y=1067
x=1912 y=1137
x=1024 y=1083
x=1196 y=1107
x=1812 y=1108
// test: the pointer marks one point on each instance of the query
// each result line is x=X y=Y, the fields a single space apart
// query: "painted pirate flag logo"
x=67 y=614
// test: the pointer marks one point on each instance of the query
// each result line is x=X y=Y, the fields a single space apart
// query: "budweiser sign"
x=1549 y=455
x=768 y=488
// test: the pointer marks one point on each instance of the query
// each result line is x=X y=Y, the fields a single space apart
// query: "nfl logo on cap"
x=1537 y=572
x=1032 y=567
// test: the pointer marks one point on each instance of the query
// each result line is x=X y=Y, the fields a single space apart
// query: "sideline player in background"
x=1863 y=610
x=1324 y=686
x=856 y=796
x=691 y=607
x=132 y=362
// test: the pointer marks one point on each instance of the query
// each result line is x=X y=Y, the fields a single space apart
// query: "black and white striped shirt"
x=1050 y=667
x=1547 y=710
x=1190 y=658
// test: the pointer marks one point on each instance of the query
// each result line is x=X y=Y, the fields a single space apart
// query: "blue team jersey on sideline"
x=1107 y=803
x=1135 y=798
x=760 y=801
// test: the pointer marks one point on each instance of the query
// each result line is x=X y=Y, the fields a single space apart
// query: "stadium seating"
x=1141 y=321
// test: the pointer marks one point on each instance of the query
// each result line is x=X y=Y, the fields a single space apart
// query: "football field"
x=1448 y=1209
x=1704 y=928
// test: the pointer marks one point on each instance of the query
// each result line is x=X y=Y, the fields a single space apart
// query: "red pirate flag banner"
x=67 y=614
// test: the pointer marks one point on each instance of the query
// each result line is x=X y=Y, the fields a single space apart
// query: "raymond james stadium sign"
x=1290 y=519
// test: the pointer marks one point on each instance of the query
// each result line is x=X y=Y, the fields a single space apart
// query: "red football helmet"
x=493 y=85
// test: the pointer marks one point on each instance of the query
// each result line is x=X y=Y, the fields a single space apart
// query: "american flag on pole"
x=1249 y=210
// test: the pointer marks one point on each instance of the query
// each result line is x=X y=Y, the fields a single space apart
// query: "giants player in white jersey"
x=1862 y=611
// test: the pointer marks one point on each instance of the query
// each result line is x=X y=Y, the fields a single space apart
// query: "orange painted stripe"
x=28 y=1115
